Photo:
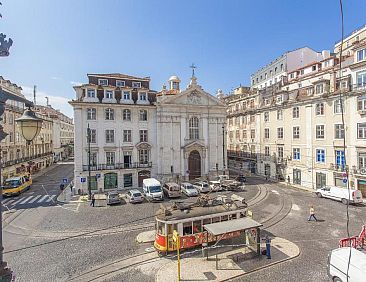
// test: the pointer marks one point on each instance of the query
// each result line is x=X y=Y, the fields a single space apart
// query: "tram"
x=189 y=220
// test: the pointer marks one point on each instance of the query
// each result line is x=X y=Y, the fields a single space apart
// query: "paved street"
x=62 y=241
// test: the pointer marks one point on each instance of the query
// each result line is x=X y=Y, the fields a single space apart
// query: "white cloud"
x=76 y=83
x=57 y=102
x=56 y=78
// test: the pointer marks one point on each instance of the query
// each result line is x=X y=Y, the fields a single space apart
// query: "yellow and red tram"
x=189 y=222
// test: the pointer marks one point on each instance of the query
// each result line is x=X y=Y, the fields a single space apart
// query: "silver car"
x=202 y=186
x=113 y=198
x=135 y=196
x=188 y=189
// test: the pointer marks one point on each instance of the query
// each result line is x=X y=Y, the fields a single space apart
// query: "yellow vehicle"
x=17 y=184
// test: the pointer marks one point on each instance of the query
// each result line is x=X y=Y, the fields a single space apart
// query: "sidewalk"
x=66 y=197
x=235 y=263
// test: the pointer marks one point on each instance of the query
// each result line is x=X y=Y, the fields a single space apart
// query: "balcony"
x=360 y=170
x=25 y=159
x=359 y=87
x=241 y=154
x=338 y=168
x=117 y=166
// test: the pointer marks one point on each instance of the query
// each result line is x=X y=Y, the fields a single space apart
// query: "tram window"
x=197 y=226
x=172 y=227
x=161 y=228
x=207 y=221
x=215 y=219
x=232 y=216
x=224 y=218
x=187 y=228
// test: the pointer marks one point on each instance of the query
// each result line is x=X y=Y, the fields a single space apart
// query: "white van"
x=152 y=189
x=338 y=264
x=340 y=194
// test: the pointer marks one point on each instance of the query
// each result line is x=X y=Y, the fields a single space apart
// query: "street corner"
x=228 y=265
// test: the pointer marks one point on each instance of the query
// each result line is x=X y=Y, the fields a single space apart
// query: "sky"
x=56 y=43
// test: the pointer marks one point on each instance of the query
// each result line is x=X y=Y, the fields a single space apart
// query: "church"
x=130 y=132
x=190 y=132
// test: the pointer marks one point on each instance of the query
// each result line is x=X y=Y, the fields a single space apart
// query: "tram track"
x=261 y=196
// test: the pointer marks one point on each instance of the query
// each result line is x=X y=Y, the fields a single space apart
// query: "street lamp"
x=29 y=125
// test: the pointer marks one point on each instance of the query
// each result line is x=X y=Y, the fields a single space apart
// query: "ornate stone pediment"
x=196 y=145
x=194 y=97
x=143 y=145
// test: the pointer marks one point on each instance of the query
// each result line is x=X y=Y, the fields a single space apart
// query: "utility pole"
x=223 y=149
x=34 y=95
x=89 y=156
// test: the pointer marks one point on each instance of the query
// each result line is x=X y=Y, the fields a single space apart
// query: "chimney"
x=325 y=54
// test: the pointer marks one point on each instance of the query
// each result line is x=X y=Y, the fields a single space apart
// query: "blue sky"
x=56 y=43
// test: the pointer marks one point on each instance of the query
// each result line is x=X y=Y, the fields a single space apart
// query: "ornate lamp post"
x=29 y=126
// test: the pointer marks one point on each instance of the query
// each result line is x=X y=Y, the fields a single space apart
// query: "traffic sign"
x=98 y=175
x=82 y=179
x=344 y=180
x=65 y=180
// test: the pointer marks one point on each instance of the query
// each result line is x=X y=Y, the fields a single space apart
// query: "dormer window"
x=319 y=88
x=91 y=93
x=314 y=68
x=142 y=96
x=136 y=84
x=108 y=94
x=126 y=95
x=361 y=55
x=120 y=83
x=103 y=82
x=302 y=72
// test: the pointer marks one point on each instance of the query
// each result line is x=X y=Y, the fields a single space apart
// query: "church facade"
x=135 y=132
x=190 y=132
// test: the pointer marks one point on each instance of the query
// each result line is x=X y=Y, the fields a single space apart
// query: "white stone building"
x=296 y=130
x=137 y=133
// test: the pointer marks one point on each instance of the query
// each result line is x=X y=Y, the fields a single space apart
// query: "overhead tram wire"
x=344 y=135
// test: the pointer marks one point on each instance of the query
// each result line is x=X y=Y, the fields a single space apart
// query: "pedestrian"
x=288 y=179
x=312 y=214
x=71 y=188
x=268 y=247
x=92 y=200
x=62 y=186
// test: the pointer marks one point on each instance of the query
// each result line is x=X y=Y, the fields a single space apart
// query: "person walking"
x=288 y=180
x=92 y=200
x=312 y=214
x=268 y=247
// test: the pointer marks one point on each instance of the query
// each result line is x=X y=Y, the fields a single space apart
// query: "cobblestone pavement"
x=79 y=247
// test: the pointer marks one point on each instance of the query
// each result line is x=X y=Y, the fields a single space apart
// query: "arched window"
x=193 y=128
x=281 y=67
x=109 y=114
x=143 y=115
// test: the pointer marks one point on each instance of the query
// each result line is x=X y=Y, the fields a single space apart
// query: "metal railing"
x=24 y=159
x=117 y=166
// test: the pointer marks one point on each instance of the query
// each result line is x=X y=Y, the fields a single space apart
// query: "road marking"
x=26 y=199
x=295 y=207
x=50 y=198
x=77 y=208
x=8 y=202
x=34 y=199
x=41 y=200
x=16 y=202
x=274 y=191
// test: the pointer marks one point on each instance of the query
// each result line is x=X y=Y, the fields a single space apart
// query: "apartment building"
x=16 y=156
x=277 y=70
x=298 y=130
x=136 y=133
x=63 y=132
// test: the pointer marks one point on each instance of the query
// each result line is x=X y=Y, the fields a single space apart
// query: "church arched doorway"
x=194 y=165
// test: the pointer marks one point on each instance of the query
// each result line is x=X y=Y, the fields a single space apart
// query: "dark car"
x=241 y=178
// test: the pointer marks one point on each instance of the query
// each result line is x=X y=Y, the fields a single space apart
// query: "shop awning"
x=219 y=228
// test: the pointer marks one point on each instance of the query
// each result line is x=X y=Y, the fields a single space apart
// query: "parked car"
x=188 y=189
x=202 y=186
x=152 y=189
x=113 y=198
x=340 y=194
x=171 y=190
x=241 y=178
x=135 y=196
x=215 y=186
x=338 y=264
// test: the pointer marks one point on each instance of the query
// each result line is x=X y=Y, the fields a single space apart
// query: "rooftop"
x=119 y=76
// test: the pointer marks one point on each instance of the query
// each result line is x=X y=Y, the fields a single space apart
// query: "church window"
x=193 y=128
